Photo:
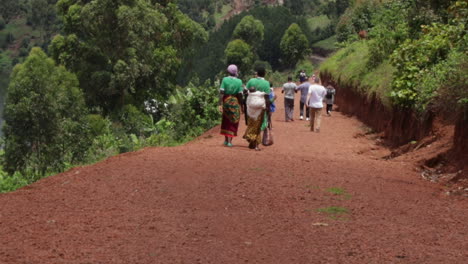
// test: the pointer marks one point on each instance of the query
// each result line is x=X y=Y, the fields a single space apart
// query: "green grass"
x=333 y=210
x=339 y=192
x=315 y=22
x=19 y=28
x=328 y=44
x=349 y=66
x=219 y=15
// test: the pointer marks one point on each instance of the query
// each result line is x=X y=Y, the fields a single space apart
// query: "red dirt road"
x=206 y=203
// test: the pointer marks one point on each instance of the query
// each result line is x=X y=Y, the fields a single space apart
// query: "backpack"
x=329 y=94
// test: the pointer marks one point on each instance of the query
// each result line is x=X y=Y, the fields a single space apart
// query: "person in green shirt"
x=230 y=102
x=258 y=105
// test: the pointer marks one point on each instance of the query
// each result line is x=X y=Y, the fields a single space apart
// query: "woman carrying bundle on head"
x=230 y=102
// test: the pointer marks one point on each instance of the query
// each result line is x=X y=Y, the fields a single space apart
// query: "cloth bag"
x=267 y=139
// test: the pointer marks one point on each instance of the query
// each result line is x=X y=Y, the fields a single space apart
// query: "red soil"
x=206 y=203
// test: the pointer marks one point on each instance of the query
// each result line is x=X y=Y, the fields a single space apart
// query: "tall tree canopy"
x=294 y=45
x=240 y=53
x=124 y=50
x=10 y=8
x=44 y=117
x=250 y=30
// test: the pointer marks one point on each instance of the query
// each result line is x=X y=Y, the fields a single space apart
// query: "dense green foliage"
x=251 y=31
x=208 y=60
x=418 y=60
x=136 y=62
x=240 y=53
x=416 y=53
x=294 y=45
x=126 y=76
x=44 y=112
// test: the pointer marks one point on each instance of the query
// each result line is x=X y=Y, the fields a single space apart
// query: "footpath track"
x=310 y=198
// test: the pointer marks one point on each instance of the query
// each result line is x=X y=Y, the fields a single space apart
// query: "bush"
x=305 y=65
x=25 y=42
x=195 y=111
x=98 y=125
x=355 y=19
x=11 y=183
x=23 y=52
x=2 y=23
x=10 y=38
x=415 y=57
x=390 y=30
x=133 y=120
x=443 y=86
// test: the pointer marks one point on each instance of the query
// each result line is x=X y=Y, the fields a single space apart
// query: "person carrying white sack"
x=258 y=104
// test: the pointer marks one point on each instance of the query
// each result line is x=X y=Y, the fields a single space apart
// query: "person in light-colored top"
x=304 y=88
x=289 y=89
x=314 y=101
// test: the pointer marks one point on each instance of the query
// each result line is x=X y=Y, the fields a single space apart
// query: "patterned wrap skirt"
x=231 y=116
x=254 y=129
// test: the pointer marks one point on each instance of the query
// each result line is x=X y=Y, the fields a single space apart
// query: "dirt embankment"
x=402 y=129
x=400 y=125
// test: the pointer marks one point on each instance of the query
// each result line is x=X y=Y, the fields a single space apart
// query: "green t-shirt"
x=231 y=86
x=260 y=85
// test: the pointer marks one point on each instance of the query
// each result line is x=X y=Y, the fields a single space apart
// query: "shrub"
x=415 y=57
x=305 y=65
x=194 y=111
x=355 y=19
x=2 y=23
x=23 y=52
x=390 y=30
x=443 y=86
x=133 y=120
x=98 y=125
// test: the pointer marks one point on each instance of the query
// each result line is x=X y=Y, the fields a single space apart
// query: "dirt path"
x=205 y=203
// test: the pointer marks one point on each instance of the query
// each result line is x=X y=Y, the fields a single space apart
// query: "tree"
x=250 y=30
x=124 y=50
x=9 y=9
x=294 y=45
x=44 y=126
x=240 y=53
x=42 y=15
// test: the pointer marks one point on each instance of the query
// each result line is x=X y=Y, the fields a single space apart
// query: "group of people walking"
x=313 y=94
x=257 y=102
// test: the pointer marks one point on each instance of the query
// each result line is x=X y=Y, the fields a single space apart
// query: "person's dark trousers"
x=289 y=109
x=302 y=106
x=329 y=108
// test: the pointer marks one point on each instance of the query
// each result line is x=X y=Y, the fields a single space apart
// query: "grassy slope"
x=349 y=65
x=315 y=22
x=329 y=43
x=220 y=15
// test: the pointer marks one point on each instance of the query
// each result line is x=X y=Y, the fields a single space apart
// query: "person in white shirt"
x=315 y=104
